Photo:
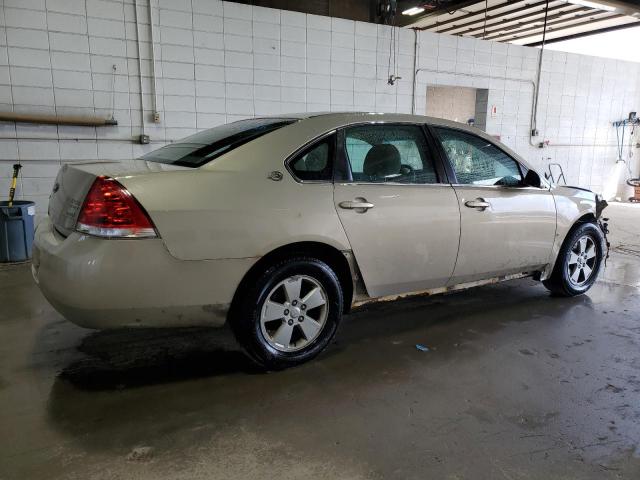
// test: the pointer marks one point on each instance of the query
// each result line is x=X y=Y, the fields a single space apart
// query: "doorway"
x=459 y=104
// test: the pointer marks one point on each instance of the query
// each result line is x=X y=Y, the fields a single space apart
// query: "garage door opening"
x=460 y=104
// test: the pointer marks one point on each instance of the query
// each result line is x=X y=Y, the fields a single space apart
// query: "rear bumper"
x=103 y=284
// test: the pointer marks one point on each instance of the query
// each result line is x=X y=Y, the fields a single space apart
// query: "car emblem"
x=276 y=176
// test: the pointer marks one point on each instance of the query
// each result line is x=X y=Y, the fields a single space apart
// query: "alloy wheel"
x=581 y=262
x=294 y=313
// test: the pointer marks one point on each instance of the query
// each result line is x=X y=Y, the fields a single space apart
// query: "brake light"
x=109 y=210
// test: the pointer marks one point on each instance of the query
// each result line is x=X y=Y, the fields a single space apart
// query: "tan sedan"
x=279 y=225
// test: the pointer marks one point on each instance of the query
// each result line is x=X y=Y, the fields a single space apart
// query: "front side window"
x=205 y=146
x=476 y=161
x=389 y=154
x=316 y=162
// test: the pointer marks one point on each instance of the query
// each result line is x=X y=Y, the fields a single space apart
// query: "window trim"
x=285 y=121
x=440 y=164
x=450 y=170
x=308 y=147
x=342 y=159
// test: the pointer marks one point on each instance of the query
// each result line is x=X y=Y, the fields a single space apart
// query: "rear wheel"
x=290 y=314
x=578 y=262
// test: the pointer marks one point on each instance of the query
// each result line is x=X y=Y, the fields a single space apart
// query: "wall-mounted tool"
x=623 y=163
x=393 y=79
x=631 y=121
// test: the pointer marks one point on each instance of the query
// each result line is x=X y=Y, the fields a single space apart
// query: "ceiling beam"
x=490 y=17
x=438 y=11
x=528 y=33
x=479 y=24
x=573 y=36
x=512 y=35
x=551 y=20
x=464 y=17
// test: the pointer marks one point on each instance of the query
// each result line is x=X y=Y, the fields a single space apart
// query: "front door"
x=402 y=223
x=506 y=226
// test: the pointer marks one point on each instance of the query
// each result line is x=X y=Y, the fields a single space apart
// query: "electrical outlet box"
x=144 y=139
x=535 y=132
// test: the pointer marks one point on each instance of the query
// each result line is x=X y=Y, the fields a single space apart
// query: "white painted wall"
x=220 y=61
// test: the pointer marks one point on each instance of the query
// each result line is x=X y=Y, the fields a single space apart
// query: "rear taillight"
x=109 y=210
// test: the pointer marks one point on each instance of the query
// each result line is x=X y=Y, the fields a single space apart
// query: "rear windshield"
x=201 y=148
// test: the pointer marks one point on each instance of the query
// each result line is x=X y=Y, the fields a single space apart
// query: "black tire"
x=560 y=282
x=245 y=317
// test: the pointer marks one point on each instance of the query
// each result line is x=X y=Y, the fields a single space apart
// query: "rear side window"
x=205 y=146
x=316 y=162
x=476 y=161
x=389 y=154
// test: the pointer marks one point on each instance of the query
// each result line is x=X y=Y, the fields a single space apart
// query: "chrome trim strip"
x=396 y=184
x=497 y=187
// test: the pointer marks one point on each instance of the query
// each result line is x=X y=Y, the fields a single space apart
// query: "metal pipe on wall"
x=135 y=8
x=416 y=50
x=57 y=119
x=154 y=99
x=534 y=115
x=534 y=92
x=473 y=75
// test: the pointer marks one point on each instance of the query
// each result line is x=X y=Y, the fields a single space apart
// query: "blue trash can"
x=16 y=230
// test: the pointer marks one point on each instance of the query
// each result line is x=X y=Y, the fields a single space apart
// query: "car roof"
x=359 y=116
x=347 y=118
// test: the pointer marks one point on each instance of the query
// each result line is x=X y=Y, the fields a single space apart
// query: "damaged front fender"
x=601 y=204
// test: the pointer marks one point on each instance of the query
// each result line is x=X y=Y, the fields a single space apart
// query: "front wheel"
x=290 y=314
x=578 y=262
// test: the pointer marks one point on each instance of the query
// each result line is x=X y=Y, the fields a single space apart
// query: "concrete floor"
x=516 y=385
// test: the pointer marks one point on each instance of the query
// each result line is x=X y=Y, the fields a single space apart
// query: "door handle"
x=478 y=203
x=359 y=204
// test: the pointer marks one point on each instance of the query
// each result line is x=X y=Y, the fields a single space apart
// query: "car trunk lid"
x=74 y=181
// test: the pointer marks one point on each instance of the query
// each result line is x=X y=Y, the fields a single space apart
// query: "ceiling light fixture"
x=591 y=4
x=413 y=11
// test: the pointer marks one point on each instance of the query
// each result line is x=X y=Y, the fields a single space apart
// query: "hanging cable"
x=620 y=141
x=390 y=51
x=534 y=115
x=544 y=26
x=486 y=7
x=393 y=53
x=397 y=51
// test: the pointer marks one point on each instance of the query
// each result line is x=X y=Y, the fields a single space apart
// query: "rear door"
x=506 y=226
x=401 y=217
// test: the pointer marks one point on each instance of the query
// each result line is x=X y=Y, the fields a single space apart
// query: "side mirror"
x=532 y=179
